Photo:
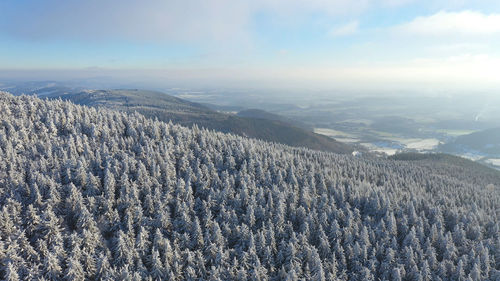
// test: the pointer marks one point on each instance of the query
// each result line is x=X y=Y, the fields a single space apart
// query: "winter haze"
x=250 y=140
x=401 y=45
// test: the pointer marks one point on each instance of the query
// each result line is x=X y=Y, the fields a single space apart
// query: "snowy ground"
x=455 y=133
x=381 y=149
x=331 y=133
x=388 y=143
x=338 y=135
x=493 y=161
x=346 y=140
x=420 y=144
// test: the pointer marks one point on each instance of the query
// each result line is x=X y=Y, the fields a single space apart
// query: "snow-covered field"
x=348 y=140
x=330 y=132
x=398 y=143
x=338 y=135
x=194 y=95
x=421 y=144
x=493 y=161
x=456 y=133
x=380 y=149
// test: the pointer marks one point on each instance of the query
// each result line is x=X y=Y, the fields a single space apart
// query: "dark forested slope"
x=262 y=114
x=89 y=193
x=168 y=108
x=485 y=142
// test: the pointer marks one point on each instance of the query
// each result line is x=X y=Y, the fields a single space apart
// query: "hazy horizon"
x=433 y=46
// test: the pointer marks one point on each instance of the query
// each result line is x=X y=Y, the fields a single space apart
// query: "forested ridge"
x=266 y=126
x=89 y=193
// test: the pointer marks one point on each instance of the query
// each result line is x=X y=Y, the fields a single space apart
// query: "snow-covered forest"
x=94 y=194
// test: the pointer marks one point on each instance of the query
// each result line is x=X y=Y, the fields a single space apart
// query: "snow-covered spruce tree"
x=93 y=194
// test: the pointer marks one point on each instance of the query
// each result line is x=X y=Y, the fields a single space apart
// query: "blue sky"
x=442 y=44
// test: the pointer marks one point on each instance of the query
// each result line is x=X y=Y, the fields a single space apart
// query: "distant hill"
x=262 y=114
x=485 y=142
x=168 y=108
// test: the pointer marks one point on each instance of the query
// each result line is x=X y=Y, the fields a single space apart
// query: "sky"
x=353 y=44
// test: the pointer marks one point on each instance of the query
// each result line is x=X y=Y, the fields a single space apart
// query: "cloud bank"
x=226 y=41
x=161 y=20
x=453 y=23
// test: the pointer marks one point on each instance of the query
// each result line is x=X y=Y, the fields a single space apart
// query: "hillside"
x=167 y=108
x=446 y=164
x=94 y=194
x=485 y=142
x=262 y=114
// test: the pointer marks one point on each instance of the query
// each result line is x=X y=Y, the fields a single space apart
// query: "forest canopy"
x=96 y=194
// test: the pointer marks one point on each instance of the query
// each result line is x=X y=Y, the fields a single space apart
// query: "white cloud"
x=460 y=47
x=453 y=23
x=163 y=20
x=345 y=29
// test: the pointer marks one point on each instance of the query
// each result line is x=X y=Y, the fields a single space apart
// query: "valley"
x=383 y=125
x=388 y=124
